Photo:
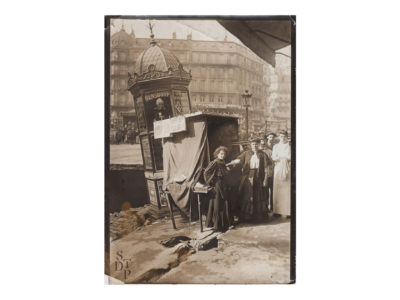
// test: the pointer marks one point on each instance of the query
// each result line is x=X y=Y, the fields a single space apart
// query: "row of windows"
x=211 y=99
x=119 y=84
x=124 y=55
x=121 y=69
x=121 y=99
x=212 y=85
x=256 y=90
x=249 y=64
x=213 y=58
x=205 y=58
x=220 y=73
x=249 y=76
x=212 y=72
x=205 y=85
x=225 y=86
x=197 y=57
x=220 y=58
x=169 y=44
x=117 y=55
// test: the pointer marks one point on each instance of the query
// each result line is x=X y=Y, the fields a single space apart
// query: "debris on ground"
x=133 y=219
x=184 y=249
x=126 y=221
x=175 y=240
x=209 y=244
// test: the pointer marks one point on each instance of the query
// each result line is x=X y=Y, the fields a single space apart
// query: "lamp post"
x=246 y=97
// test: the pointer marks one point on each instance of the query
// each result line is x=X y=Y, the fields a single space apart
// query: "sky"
x=163 y=29
x=203 y=30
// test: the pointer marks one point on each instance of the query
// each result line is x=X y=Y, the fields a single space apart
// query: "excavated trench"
x=153 y=275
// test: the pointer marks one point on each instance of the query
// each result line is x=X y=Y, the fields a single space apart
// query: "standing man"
x=269 y=144
x=125 y=134
x=270 y=137
x=252 y=186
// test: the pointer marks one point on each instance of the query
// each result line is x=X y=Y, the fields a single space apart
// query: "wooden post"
x=171 y=212
x=247 y=122
x=190 y=213
x=200 y=218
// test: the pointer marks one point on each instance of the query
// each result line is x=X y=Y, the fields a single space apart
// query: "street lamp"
x=246 y=97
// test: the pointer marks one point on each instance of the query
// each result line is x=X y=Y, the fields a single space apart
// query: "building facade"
x=121 y=61
x=221 y=72
x=279 y=104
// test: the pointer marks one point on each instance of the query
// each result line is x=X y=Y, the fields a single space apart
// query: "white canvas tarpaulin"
x=184 y=155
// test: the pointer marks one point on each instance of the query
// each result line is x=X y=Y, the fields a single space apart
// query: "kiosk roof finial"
x=152 y=41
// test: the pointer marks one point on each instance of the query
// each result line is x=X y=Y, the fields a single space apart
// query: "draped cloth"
x=184 y=156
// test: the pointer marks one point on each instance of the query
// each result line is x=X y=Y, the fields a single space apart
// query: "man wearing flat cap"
x=270 y=138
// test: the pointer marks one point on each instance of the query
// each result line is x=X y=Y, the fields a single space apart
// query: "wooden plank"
x=161 y=194
x=151 y=185
x=148 y=164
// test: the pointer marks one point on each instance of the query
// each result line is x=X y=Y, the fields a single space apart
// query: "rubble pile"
x=126 y=221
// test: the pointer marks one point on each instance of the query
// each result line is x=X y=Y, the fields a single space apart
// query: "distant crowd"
x=123 y=134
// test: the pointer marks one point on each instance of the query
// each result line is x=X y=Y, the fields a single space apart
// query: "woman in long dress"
x=218 y=210
x=281 y=156
x=253 y=183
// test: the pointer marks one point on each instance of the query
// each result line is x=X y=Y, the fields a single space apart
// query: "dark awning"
x=262 y=36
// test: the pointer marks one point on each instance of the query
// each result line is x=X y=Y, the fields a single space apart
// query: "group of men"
x=123 y=134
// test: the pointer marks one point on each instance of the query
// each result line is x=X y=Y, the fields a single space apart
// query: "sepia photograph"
x=200 y=147
x=200 y=150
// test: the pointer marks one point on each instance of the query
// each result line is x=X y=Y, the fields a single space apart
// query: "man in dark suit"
x=268 y=145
